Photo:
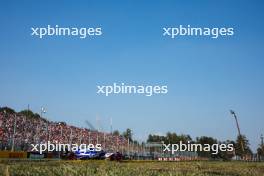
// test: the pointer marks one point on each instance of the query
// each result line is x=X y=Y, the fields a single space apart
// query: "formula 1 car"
x=89 y=154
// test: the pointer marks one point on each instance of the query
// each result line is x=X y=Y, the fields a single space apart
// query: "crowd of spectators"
x=20 y=131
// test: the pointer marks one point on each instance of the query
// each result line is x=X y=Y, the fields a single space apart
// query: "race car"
x=90 y=153
x=114 y=156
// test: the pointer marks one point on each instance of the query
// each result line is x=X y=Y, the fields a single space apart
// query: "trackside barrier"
x=8 y=154
x=181 y=158
x=35 y=156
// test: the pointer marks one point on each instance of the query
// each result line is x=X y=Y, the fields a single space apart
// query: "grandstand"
x=19 y=130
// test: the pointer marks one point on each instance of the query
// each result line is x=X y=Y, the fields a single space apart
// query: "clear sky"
x=205 y=77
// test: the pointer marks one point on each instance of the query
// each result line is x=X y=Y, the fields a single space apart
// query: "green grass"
x=130 y=168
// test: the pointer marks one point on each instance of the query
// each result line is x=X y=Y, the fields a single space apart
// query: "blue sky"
x=205 y=77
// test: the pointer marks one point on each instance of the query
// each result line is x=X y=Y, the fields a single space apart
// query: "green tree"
x=128 y=134
x=7 y=110
x=116 y=133
x=170 y=138
x=184 y=138
x=242 y=146
x=27 y=113
x=156 y=138
x=206 y=140
x=226 y=155
x=260 y=152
